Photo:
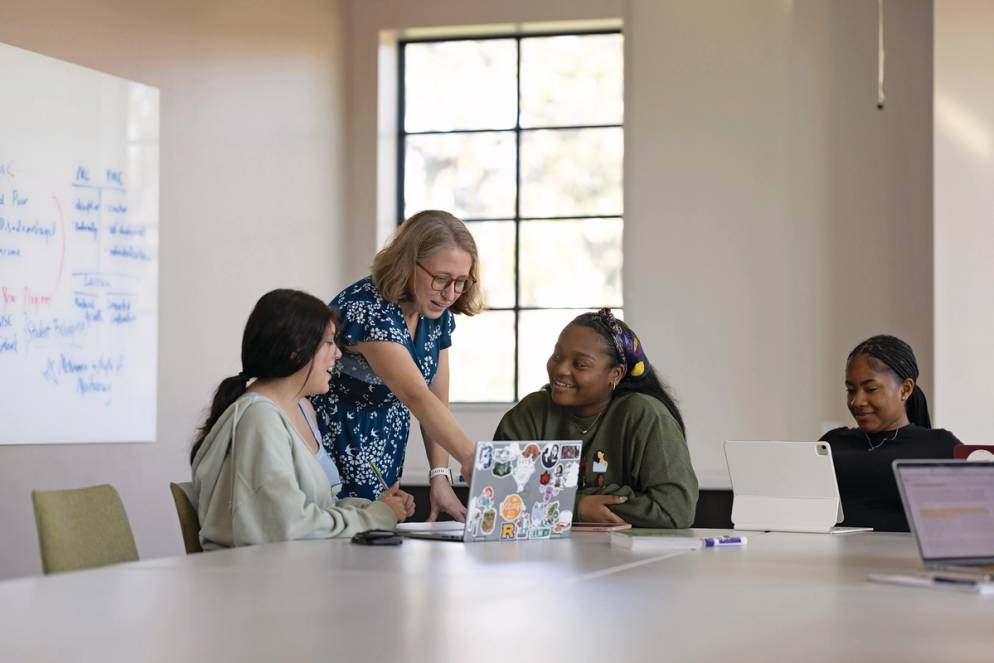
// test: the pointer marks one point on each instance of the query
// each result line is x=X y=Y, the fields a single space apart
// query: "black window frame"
x=517 y=130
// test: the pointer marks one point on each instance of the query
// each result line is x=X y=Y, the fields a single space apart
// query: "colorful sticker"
x=523 y=471
x=551 y=514
x=489 y=521
x=538 y=514
x=502 y=469
x=548 y=492
x=531 y=452
x=507 y=532
x=487 y=497
x=474 y=521
x=540 y=533
x=570 y=451
x=564 y=523
x=572 y=475
x=485 y=457
x=600 y=464
x=511 y=507
x=550 y=455
x=521 y=526
x=544 y=478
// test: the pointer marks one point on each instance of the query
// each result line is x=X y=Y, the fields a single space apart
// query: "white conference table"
x=783 y=597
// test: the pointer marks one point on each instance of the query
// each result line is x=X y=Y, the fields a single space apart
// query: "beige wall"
x=773 y=217
x=964 y=200
x=252 y=163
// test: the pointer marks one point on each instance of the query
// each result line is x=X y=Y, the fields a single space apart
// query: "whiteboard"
x=79 y=244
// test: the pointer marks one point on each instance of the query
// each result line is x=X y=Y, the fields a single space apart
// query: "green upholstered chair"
x=82 y=529
x=189 y=523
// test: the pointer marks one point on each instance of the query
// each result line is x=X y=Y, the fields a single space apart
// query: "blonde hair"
x=416 y=240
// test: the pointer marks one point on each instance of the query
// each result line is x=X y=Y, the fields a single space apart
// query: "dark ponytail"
x=624 y=347
x=226 y=393
x=281 y=336
x=898 y=357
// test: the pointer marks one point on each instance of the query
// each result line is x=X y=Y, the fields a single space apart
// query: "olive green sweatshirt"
x=633 y=449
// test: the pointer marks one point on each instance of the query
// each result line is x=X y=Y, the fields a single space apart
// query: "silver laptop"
x=520 y=491
x=950 y=508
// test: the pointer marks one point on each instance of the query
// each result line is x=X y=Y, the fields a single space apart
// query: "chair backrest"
x=189 y=523
x=82 y=528
x=983 y=452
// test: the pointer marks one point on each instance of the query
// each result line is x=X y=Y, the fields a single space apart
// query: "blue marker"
x=715 y=542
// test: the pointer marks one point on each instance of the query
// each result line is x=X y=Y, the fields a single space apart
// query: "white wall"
x=964 y=200
x=773 y=217
x=252 y=166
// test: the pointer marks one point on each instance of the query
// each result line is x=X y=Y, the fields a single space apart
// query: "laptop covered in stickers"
x=520 y=491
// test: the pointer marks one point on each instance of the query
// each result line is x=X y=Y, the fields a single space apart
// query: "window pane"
x=469 y=175
x=572 y=80
x=495 y=242
x=567 y=172
x=460 y=85
x=538 y=332
x=571 y=263
x=481 y=359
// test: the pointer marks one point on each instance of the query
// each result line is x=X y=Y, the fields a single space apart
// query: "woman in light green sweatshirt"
x=260 y=473
x=635 y=466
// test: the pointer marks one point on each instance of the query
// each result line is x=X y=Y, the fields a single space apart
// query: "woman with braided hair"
x=635 y=467
x=892 y=422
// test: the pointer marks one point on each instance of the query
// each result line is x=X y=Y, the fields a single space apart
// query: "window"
x=522 y=138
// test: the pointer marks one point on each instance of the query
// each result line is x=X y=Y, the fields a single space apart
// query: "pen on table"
x=379 y=475
x=718 y=541
x=951 y=580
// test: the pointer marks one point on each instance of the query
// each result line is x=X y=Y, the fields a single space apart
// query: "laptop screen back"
x=950 y=507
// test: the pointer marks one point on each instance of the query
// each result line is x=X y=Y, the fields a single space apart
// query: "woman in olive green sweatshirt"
x=635 y=467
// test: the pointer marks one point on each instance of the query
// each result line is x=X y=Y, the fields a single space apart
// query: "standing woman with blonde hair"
x=396 y=329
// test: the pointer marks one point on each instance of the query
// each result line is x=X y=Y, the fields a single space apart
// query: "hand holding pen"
x=394 y=492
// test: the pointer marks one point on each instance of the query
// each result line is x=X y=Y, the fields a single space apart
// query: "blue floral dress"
x=361 y=420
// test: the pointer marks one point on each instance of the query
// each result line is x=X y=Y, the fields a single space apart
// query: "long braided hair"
x=626 y=350
x=898 y=357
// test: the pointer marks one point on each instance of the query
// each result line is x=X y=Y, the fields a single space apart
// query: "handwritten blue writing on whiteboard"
x=82 y=175
x=13 y=253
x=86 y=205
x=89 y=385
x=85 y=227
x=8 y=344
x=130 y=252
x=115 y=177
x=127 y=230
x=118 y=209
x=21 y=228
x=84 y=301
x=6 y=320
x=121 y=311
x=93 y=280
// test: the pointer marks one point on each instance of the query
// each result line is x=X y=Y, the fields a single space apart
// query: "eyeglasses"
x=440 y=282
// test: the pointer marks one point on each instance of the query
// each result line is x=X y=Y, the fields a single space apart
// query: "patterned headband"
x=626 y=346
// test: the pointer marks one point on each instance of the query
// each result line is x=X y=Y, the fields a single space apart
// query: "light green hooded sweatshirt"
x=256 y=481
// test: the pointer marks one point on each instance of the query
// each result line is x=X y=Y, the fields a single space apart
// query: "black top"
x=866 y=480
